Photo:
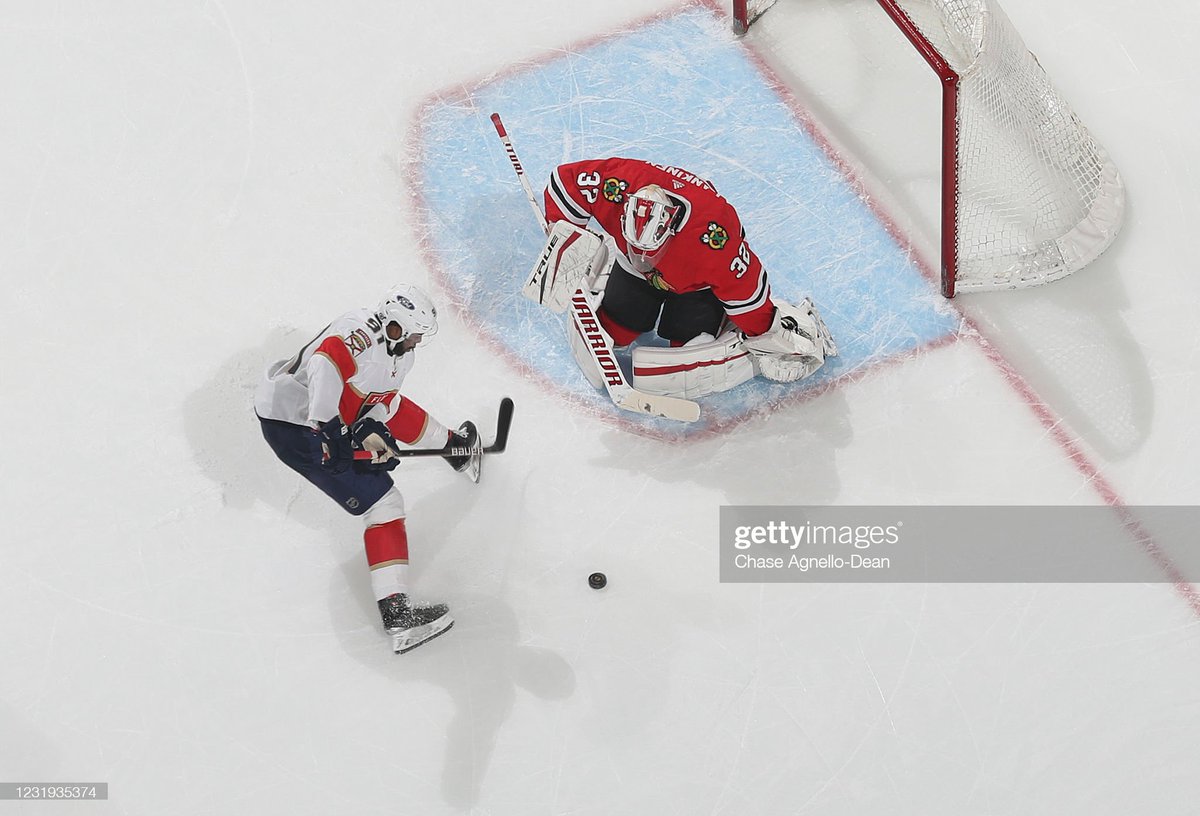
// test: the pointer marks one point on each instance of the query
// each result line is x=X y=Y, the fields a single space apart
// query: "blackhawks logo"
x=614 y=190
x=716 y=237
x=656 y=280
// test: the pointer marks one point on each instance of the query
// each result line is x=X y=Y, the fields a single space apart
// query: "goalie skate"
x=410 y=625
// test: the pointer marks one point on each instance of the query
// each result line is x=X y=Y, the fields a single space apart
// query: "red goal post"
x=1027 y=194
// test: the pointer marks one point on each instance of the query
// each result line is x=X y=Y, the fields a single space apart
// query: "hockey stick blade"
x=660 y=406
x=503 y=422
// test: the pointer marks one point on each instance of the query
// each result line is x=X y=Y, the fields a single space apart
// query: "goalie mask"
x=648 y=222
x=406 y=312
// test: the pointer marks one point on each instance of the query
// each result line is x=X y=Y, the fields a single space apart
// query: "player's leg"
x=369 y=493
x=687 y=315
x=702 y=359
x=354 y=490
x=630 y=306
x=408 y=622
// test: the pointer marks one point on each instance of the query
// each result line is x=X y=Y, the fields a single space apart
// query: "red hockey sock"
x=386 y=544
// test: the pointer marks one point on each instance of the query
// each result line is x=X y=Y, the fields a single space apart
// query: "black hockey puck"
x=597 y=580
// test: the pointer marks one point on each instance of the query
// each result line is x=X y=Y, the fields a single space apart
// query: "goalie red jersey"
x=697 y=242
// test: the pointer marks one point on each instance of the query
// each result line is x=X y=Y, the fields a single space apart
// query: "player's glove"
x=373 y=436
x=465 y=437
x=334 y=445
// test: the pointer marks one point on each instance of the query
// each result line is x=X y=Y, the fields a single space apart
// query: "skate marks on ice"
x=705 y=106
x=227 y=443
x=476 y=668
x=803 y=469
x=466 y=683
x=26 y=752
x=1072 y=345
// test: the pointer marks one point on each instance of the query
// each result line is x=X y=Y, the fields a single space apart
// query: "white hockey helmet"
x=648 y=222
x=412 y=310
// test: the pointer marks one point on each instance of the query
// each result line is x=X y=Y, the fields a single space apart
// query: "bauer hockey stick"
x=583 y=315
x=503 y=422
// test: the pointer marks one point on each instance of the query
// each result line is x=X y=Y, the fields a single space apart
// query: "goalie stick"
x=503 y=422
x=623 y=395
x=583 y=315
x=520 y=171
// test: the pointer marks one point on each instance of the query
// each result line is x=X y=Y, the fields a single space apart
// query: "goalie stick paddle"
x=623 y=395
x=503 y=422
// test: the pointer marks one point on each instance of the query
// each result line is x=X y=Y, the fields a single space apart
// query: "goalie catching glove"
x=795 y=346
x=571 y=258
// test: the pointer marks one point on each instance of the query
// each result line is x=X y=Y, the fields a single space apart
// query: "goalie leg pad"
x=572 y=257
x=703 y=366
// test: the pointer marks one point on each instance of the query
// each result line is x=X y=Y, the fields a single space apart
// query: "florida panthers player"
x=341 y=392
x=680 y=260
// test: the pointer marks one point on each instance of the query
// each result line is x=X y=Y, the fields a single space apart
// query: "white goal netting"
x=1037 y=197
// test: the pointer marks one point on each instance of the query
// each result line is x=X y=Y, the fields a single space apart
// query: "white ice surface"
x=190 y=190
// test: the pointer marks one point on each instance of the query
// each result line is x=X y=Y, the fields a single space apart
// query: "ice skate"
x=467 y=437
x=411 y=624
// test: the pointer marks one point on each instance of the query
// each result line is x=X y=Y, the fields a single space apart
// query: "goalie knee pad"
x=703 y=366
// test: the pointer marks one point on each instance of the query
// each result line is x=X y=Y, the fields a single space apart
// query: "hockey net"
x=1027 y=195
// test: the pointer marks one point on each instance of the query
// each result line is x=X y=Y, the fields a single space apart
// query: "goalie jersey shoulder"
x=709 y=249
x=599 y=187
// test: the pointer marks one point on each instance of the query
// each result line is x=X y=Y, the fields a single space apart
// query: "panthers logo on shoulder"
x=357 y=341
x=716 y=237
x=614 y=190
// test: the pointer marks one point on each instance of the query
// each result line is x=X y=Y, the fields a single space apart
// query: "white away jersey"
x=345 y=370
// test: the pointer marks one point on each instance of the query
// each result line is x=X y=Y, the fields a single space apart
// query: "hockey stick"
x=516 y=163
x=583 y=315
x=503 y=422
x=623 y=395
